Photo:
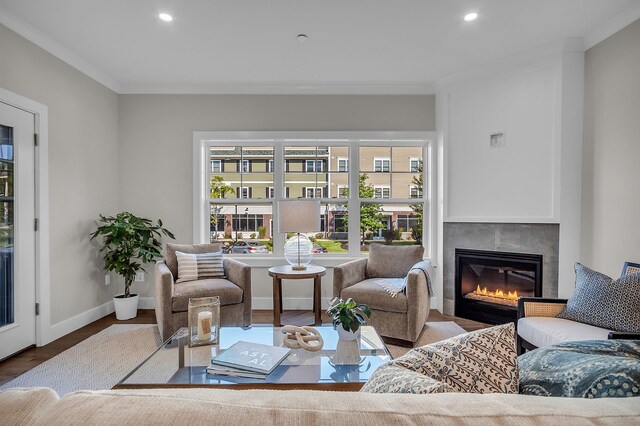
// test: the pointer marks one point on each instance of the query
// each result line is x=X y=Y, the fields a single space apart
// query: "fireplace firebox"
x=488 y=283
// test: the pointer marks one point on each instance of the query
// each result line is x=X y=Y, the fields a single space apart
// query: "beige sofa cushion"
x=255 y=407
x=370 y=293
x=392 y=261
x=545 y=331
x=170 y=253
x=24 y=406
x=228 y=292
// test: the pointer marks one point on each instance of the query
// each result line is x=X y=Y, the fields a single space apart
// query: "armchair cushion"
x=196 y=266
x=372 y=294
x=392 y=261
x=170 y=253
x=228 y=292
x=545 y=331
x=604 y=302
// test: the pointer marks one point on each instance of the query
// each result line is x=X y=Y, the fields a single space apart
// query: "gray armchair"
x=399 y=318
x=172 y=299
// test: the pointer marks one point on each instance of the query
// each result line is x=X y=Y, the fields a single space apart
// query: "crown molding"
x=56 y=49
x=294 y=88
x=612 y=26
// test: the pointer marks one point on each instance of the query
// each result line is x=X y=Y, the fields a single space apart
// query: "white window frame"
x=346 y=164
x=219 y=162
x=411 y=160
x=382 y=161
x=242 y=190
x=278 y=140
x=316 y=166
x=340 y=188
x=272 y=192
x=382 y=190
x=411 y=188
x=245 y=166
x=270 y=166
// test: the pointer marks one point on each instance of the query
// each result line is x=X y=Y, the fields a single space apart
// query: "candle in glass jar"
x=204 y=325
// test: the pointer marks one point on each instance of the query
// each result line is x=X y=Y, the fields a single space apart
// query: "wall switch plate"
x=140 y=276
x=497 y=140
x=107 y=279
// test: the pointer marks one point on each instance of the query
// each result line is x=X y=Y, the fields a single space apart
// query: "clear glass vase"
x=204 y=321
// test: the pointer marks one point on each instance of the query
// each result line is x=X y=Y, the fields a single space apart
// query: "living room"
x=525 y=121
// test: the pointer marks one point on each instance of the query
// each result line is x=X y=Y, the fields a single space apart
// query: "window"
x=381 y=165
x=369 y=189
x=415 y=191
x=414 y=165
x=313 y=166
x=343 y=165
x=381 y=192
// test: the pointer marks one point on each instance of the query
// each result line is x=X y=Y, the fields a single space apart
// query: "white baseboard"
x=65 y=327
x=289 y=303
x=147 y=303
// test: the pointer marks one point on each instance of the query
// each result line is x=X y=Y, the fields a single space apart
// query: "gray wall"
x=156 y=153
x=83 y=166
x=611 y=161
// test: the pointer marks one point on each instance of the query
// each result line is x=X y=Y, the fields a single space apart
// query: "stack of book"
x=246 y=359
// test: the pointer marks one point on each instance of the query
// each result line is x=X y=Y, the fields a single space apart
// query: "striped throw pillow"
x=196 y=266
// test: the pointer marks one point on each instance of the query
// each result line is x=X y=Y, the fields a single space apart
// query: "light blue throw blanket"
x=395 y=285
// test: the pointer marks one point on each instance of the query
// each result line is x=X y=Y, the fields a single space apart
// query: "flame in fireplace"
x=499 y=293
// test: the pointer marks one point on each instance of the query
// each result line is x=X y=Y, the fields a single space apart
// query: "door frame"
x=42 y=264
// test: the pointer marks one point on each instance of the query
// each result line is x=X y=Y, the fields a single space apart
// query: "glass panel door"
x=6 y=226
x=17 y=233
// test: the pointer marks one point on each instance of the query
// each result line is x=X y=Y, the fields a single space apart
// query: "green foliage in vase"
x=348 y=314
x=129 y=242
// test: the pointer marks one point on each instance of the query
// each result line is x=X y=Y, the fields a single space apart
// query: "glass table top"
x=338 y=365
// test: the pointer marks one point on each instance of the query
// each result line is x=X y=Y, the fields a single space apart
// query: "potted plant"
x=128 y=242
x=347 y=317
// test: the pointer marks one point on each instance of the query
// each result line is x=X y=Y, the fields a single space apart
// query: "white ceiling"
x=250 y=45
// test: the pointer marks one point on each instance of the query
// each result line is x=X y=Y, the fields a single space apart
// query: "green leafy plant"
x=262 y=232
x=128 y=242
x=348 y=314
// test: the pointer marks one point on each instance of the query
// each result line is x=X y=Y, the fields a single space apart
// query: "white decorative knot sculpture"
x=307 y=338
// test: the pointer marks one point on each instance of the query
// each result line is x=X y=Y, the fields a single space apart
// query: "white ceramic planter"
x=126 y=308
x=347 y=335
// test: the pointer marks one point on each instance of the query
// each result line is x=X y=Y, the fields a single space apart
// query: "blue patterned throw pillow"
x=604 y=302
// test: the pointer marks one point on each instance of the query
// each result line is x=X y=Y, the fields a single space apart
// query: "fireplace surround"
x=488 y=283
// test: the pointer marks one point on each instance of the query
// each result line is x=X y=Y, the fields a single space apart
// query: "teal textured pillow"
x=604 y=302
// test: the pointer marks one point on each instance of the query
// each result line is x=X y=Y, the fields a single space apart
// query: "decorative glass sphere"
x=291 y=250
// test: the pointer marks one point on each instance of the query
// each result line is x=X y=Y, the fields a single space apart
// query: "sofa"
x=41 y=406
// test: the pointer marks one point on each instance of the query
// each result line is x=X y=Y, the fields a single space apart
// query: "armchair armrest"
x=238 y=273
x=540 y=307
x=419 y=302
x=164 y=293
x=348 y=274
x=624 y=335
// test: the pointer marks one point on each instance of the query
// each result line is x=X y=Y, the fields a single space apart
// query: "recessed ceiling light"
x=165 y=17
x=302 y=38
x=471 y=16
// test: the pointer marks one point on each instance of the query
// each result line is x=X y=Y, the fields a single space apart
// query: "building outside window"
x=381 y=165
x=242 y=204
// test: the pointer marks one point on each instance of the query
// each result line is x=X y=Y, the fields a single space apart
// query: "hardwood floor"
x=28 y=359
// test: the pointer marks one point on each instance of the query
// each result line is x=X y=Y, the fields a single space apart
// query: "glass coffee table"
x=339 y=365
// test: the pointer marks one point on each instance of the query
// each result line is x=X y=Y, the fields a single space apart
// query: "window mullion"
x=278 y=184
x=353 y=205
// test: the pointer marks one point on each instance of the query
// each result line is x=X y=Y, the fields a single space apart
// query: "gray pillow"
x=392 y=261
x=170 y=253
x=604 y=302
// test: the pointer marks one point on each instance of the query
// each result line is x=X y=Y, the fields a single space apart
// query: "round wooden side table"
x=285 y=272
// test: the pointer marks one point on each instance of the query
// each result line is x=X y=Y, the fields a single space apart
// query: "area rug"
x=105 y=358
x=96 y=363
x=431 y=333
